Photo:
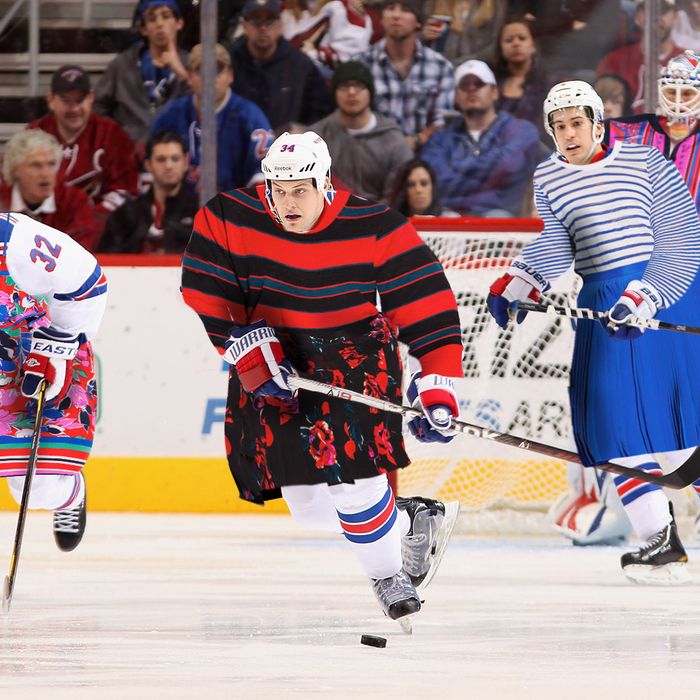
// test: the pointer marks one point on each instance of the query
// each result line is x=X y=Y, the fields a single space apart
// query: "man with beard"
x=484 y=159
x=414 y=84
x=368 y=148
x=159 y=221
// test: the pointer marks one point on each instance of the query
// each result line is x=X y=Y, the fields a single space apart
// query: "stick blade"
x=6 y=595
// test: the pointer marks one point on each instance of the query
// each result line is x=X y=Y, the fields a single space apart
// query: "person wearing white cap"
x=484 y=159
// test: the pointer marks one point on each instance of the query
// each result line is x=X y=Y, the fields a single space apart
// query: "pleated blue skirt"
x=634 y=397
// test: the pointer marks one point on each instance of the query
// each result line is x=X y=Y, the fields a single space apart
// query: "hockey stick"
x=592 y=315
x=9 y=582
x=685 y=475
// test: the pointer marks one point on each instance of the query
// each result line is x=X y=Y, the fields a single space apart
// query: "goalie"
x=285 y=277
x=624 y=218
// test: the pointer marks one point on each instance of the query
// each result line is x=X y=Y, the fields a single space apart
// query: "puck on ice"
x=372 y=641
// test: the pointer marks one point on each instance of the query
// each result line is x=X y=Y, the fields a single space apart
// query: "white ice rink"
x=158 y=606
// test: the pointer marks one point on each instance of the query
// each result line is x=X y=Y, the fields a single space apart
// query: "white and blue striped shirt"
x=630 y=207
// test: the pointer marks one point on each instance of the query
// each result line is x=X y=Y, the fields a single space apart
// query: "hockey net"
x=514 y=381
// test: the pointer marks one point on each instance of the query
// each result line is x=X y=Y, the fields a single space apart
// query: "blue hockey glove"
x=51 y=353
x=435 y=396
x=257 y=355
x=504 y=292
x=640 y=300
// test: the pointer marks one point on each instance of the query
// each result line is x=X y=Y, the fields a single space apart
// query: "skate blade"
x=666 y=575
x=406 y=624
x=448 y=525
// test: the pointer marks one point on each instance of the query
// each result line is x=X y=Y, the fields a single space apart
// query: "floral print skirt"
x=319 y=439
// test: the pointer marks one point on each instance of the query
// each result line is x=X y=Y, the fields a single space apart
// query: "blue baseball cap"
x=148 y=4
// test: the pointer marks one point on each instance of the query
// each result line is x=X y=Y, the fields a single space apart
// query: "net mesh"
x=514 y=381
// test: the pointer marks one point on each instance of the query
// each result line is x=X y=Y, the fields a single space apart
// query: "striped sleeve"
x=210 y=284
x=417 y=298
x=552 y=252
x=675 y=258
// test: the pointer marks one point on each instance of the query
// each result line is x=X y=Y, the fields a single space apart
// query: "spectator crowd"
x=432 y=106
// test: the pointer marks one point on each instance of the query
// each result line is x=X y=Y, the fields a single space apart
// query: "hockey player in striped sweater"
x=590 y=513
x=623 y=217
x=298 y=269
x=52 y=297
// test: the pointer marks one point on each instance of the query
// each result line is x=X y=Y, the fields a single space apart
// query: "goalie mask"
x=579 y=94
x=679 y=88
x=298 y=157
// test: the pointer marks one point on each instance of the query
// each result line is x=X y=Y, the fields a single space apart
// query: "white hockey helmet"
x=679 y=87
x=572 y=93
x=298 y=157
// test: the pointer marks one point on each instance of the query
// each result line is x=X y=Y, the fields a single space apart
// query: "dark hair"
x=399 y=197
x=164 y=137
x=501 y=64
x=607 y=79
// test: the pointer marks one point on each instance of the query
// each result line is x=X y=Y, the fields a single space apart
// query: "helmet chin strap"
x=595 y=141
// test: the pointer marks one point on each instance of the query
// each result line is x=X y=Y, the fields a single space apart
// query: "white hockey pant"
x=50 y=491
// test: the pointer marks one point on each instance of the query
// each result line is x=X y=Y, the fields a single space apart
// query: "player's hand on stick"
x=257 y=355
x=640 y=300
x=50 y=356
x=435 y=396
x=505 y=292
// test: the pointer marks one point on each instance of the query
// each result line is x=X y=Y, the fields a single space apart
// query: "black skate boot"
x=424 y=544
x=661 y=561
x=69 y=525
x=397 y=595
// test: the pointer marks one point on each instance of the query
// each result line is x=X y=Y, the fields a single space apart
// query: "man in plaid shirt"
x=414 y=84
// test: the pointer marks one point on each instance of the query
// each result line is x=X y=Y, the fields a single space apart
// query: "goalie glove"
x=520 y=283
x=257 y=355
x=51 y=353
x=435 y=396
x=640 y=300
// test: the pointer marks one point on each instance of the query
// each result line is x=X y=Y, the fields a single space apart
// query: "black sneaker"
x=69 y=526
x=424 y=544
x=661 y=561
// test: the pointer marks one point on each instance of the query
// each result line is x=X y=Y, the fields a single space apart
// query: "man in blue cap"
x=141 y=79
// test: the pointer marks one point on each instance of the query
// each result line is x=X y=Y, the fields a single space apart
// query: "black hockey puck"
x=372 y=641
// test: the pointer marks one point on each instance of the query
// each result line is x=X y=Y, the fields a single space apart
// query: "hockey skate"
x=660 y=562
x=423 y=546
x=69 y=526
x=397 y=595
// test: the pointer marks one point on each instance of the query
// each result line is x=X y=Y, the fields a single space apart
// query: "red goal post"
x=515 y=380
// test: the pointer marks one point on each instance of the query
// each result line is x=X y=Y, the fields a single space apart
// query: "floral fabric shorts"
x=319 y=439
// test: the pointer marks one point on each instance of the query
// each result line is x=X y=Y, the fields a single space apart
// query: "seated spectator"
x=484 y=159
x=414 y=84
x=159 y=221
x=367 y=148
x=140 y=80
x=98 y=156
x=615 y=93
x=473 y=28
x=416 y=191
x=686 y=30
x=335 y=31
x=281 y=80
x=243 y=131
x=628 y=61
x=522 y=80
x=29 y=186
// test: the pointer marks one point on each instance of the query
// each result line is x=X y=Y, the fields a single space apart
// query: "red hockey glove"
x=505 y=291
x=50 y=356
x=435 y=396
x=259 y=360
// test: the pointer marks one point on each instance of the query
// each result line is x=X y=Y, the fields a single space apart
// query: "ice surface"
x=172 y=606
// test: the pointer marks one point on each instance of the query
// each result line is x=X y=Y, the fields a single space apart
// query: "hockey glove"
x=640 y=300
x=435 y=396
x=50 y=356
x=524 y=283
x=259 y=360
